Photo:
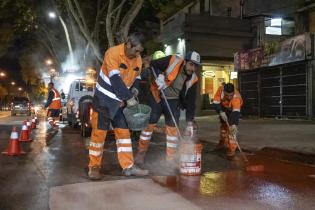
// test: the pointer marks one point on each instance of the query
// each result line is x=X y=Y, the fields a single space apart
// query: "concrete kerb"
x=277 y=153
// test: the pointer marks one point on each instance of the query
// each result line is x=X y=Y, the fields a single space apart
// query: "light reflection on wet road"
x=59 y=158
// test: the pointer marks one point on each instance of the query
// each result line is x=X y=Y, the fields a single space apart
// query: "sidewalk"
x=262 y=134
x=4 y=114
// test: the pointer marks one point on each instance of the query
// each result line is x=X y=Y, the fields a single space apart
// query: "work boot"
x=139 y=159
x=94 y=173
x=134 y=171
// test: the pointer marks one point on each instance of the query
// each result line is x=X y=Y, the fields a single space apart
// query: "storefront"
x=212 y=76
x=278 y=85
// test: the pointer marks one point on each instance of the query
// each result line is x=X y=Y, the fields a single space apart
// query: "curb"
x=278 y=154
x=288 y=155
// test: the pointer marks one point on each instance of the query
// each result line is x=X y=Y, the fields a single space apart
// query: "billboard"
x=297 y=48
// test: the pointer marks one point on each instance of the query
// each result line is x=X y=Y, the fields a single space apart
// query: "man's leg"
x=124 y=146
x=223 y=136
x=56 y=117
x=145 y=137
x=172 y=140
x=96 y=147
x=231 y=147
x=50 y=119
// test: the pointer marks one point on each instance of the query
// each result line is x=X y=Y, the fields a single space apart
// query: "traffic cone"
x=14 y=147
x=24 y=135
x=33 y=126
x=28 y=124
x=36 y=120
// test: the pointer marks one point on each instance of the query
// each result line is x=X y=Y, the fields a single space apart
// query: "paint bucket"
x=190 y=159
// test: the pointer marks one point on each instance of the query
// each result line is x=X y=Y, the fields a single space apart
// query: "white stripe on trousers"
x=95 y=153
x=124 y=149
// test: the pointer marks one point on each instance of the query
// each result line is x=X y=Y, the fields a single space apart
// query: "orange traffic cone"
x=36 y=120
x=24 y=135
x=14 y=147
x=33 y=126
x=28 y=124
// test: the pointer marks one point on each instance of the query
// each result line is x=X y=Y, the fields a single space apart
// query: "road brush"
x=248 y=166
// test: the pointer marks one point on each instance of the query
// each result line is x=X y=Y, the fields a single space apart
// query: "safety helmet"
x=158 y=54
x=193 y=56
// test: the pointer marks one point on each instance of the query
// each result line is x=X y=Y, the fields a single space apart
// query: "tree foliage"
x=17 y=18
x=3 y=91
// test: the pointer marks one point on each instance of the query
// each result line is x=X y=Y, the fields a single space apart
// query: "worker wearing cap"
x=54 y=105
x=177 y=78
x=228 y=102
x=116 y=88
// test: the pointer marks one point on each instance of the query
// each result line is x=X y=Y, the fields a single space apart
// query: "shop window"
x=279 y=26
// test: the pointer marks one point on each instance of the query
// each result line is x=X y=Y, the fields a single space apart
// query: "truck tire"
x=85 y=105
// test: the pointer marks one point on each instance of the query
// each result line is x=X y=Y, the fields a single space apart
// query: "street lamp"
x=12 y=83
x=2 y=74
x=53 y=15
x=49 y=62
x=20 y=89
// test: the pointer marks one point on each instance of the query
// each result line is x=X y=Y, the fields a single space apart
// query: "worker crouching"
x=228 y=102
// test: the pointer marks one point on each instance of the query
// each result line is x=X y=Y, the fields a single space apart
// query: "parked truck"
x=79 y=105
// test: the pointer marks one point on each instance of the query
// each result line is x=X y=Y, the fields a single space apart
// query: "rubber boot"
x=94 y=173
x=135 y=171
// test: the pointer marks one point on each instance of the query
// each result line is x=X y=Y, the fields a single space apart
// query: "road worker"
x=116 y=88
x=228 y=102
x=177 y=78
x=54 y=105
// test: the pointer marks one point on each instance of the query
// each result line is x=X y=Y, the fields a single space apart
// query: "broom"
x=248 y=167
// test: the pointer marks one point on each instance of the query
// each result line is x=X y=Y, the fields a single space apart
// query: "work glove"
x=189 y=129
x=233 y=130
x=160 y=81
x=132 y=102
x=223 y=117
x=135 y=92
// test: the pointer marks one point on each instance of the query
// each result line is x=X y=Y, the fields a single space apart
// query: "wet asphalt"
x=59 y=157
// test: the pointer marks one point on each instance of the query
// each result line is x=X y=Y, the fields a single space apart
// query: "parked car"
x=79 y=105
x=21 y=105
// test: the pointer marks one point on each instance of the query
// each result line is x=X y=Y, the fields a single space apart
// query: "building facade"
x=217 y=29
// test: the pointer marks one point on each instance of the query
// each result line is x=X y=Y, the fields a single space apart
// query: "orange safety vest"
x=56 y=101
x=170 y=74
x=235 y=104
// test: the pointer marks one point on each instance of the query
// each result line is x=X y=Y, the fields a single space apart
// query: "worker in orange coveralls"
x=116 y=88
x=228 y=102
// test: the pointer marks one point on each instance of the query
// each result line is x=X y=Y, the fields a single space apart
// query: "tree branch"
x=109 y=32
x=129 y=17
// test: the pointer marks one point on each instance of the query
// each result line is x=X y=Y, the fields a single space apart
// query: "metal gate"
x=279 y=91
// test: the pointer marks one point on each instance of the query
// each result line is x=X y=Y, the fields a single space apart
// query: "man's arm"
x=160 y=65
x=190 y=102
x=112 y=64
x=236 y=111
x=49 y=99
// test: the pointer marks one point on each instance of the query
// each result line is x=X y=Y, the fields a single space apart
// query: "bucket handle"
x=138 y=106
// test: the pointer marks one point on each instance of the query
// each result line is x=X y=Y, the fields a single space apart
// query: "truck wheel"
x=85 y=118
x=69 y=120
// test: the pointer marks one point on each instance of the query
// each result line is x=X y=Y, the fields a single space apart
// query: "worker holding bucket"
x=174 y=87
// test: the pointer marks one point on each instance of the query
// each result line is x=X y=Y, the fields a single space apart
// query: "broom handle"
x=238 y=146
x=169 y=108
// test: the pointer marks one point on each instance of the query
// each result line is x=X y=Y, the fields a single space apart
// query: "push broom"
x=248 y=167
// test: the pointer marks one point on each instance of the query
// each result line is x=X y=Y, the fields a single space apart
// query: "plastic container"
x=190 y=159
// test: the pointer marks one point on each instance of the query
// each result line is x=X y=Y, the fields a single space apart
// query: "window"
x=279 y=26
